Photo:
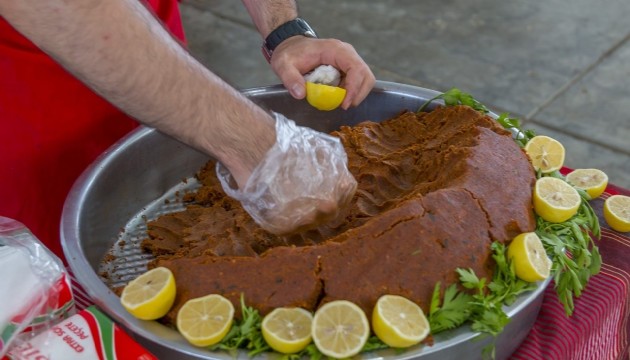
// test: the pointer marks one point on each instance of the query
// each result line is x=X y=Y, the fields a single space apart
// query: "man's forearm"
x=269 y=14
x=123 y=53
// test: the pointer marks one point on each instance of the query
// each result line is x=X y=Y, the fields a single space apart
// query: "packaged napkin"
x=35 y=291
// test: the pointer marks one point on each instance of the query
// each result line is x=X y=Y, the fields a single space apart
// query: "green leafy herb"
x=505 y=286
x=245 y=334
x=453 y=312
x=513 y=124
x=454 y=97
x=374 y=343
x=311 y=352
x=572 y=248
x=575 y=257
x=483 y=308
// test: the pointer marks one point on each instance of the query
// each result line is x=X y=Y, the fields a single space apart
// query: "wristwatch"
x=297 y=26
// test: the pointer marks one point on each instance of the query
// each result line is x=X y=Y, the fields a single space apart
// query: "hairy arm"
x=122 y=52
x=269 y=14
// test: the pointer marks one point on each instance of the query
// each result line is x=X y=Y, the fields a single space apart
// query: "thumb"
x=293 y=81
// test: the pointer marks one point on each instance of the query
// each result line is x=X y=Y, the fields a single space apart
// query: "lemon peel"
x=399 y=322
x=593 y=181
x=150 y=295
x=324 y=97
x=529 y=257
x=340 y=329
x=287 y=330
x=205 y=321
x=617 y=212
x=546 y=154
x=555 y=200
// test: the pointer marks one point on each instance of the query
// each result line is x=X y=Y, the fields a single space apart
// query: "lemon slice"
x=530 y=259
x=324 y=97
x=287 y=330
x=206 y=320
x=555 y=200
x=545 y=153
x=399 y=322
x=593 y=181
x=150 y=295
x=340 y=329
x=617 y=212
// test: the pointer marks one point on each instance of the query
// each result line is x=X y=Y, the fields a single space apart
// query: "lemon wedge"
x=617 y=212
x=555 y=200
x=324 y=97
x=545 y=153
x=150 y=295
x=399 y=322
x=593 y=181
x=206 y=320
x=287 y=330
x=530 y=259
x=340 y=329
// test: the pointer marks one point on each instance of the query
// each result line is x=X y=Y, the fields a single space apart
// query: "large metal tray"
x=106 y=210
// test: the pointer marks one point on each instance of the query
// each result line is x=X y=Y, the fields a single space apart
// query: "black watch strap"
x=290 y=28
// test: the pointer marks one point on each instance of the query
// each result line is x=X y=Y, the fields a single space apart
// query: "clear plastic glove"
x=302 y=181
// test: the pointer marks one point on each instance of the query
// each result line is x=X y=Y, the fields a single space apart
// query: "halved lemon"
x=530 y=259
x=206 y=320
x=324 y=97
x=545 y=153
x=617 y=212
x=340 y=329
x=150 y=295
x=399 y=322
x=593 y=181
x=287 y=330
x=555 y=200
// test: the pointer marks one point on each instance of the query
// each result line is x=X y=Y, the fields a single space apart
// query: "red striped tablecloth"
x=599 y=326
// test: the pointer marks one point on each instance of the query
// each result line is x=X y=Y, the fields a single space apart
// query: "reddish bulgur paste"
x=434 y=191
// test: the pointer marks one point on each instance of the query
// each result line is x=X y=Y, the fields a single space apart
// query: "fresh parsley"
x=244 y=334
x=451 y=312
x=454 y=97
x=574 y=254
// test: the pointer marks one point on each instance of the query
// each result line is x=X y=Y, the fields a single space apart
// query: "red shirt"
x=51 y=128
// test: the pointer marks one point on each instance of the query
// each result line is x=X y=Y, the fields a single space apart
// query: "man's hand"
x=302 y=182
x=298 y=55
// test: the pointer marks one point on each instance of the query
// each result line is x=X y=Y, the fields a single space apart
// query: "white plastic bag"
x=35 y=291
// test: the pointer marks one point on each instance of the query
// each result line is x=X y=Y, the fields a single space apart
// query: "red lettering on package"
x=77 y=330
